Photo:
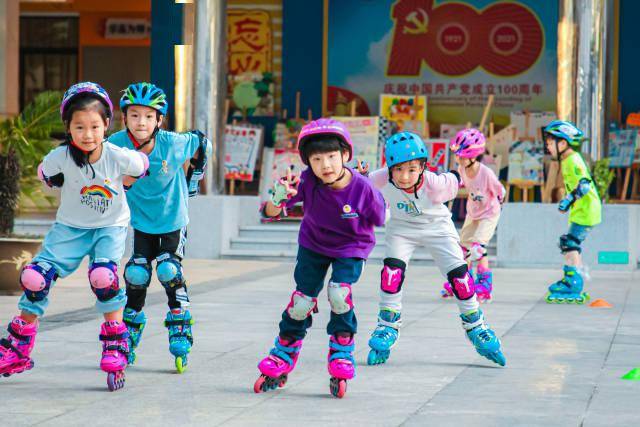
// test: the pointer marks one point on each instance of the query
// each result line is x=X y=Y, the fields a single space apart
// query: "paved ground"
x=563 y=362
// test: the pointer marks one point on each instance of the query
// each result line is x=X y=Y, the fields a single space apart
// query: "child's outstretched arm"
x=284 y=191
x=584 y=185
x=379 y=178
x=134 y=165
x=50 y=172
x=443 y=187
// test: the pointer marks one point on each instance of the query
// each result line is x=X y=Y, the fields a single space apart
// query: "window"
x=48 y=55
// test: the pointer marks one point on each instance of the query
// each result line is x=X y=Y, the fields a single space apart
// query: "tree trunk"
x=9 y=191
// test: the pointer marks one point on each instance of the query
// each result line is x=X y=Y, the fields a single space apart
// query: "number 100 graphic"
x=453 y=39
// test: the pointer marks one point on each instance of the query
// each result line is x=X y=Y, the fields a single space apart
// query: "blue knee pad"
x=36 y=279
x=568 y=243
x=103 y=277
x=169 y=271
x=137 y=272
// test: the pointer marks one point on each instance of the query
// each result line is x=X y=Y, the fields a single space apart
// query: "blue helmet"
x=145 y=94
x=565 y=130
x=403 y=147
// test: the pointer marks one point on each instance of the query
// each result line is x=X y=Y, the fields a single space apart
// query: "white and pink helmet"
x=468 y=143
x=324 y=127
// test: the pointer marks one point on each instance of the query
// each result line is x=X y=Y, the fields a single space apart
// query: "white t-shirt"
x=89 y=201
x=433 y=192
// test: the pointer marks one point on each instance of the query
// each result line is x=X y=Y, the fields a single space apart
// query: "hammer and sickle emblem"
x=419 y=19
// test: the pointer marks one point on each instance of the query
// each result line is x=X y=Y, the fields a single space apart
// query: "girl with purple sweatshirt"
x=341 y=209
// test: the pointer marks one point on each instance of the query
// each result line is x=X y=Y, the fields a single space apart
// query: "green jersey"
x=586 y=210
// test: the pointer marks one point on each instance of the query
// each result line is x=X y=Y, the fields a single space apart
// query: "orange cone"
x=600 y=303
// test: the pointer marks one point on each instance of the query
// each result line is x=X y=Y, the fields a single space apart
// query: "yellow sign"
x=249 y=41
x=409 y=112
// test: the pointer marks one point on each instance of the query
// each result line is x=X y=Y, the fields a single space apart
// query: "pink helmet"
x=324 y=127
x=468 y=143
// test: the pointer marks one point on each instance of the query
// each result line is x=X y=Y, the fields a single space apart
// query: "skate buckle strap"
x=341 y=351
x=9 y=346
x=119 y=347
x=284 y=352
x=17 y=335
x=472 y=325
x=184 y=322
x=394 y=325
x=114 y=337
x=132 y=324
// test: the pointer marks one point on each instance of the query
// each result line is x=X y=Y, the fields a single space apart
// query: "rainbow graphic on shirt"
x=97 y=190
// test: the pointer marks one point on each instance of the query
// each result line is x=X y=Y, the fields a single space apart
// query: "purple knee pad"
x=103 y=277
x=463 y=287
x=392 y=275
x=36 y=280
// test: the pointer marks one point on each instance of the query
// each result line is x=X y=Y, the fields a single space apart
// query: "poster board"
x=368 y=135
x=527 y=124
x=622 y=147
x=500 y=143
x=525 y=163
x=438 y=154
x=242 y=144
x=449 y=131
x=409 y=112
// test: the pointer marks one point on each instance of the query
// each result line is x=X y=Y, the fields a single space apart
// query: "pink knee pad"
x=36 y=279
x=463 y=287
x=392 y=275
x=103 y=277
x=301 y=306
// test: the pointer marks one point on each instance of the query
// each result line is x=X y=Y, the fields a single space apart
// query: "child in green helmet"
x=563 y=140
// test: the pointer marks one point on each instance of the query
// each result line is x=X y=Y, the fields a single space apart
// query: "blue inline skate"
x=568 y=290
x=179 y=322
x=482 y=338
x=135 y=321
x=384 y=337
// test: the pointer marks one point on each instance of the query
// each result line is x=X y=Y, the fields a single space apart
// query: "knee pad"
x=36 y=280
x=340 y=297
x=476 y=252
x=169 y=270
x=569 y=243
x=392 y=275
x=301 y=306
x=137 y=272
x=103 y=277
x=461 y=282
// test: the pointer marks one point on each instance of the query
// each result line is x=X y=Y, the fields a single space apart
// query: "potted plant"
x=24 y=141
x=603 y=176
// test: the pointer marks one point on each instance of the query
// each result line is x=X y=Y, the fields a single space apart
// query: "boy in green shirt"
x=582 y=202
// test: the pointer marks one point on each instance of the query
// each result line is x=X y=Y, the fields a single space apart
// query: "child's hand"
x=363 y=167
x=284 y=189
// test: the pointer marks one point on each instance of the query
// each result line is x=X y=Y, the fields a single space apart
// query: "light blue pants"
x=65 y=247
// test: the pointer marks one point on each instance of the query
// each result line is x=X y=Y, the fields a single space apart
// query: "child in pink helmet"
x=486 y=194
x=341 y=209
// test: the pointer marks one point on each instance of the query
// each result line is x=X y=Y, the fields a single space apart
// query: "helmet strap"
x=138 y=145
x=342 y=174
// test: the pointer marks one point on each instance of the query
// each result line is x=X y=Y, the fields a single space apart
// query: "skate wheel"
x=377 y=357
x=181 y=364
x=257 y=386
x=338 y=387
x=499 y=358
x=115 y=380
x=283 y=380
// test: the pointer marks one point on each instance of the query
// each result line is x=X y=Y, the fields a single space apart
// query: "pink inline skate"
x=16 y=348
x=115 y=350
x=275 y=368
x=342 y=366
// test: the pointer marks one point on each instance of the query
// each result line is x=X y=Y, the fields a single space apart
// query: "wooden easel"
x=524 y=188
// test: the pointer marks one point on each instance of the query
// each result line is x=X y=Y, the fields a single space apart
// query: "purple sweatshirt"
x=339 y=223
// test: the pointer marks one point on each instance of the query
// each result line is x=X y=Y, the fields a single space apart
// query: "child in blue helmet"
x=91 y=221
x=159 y=213
x=563 y=140
x=418 y=217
